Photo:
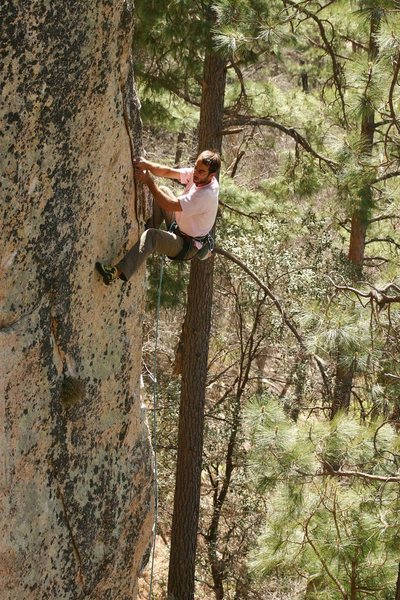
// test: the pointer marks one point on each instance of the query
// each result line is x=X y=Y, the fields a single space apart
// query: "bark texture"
x=360 y=217
x=75 y=471
x=195 y=338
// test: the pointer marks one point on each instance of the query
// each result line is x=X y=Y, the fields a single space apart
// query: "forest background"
x=300 y=473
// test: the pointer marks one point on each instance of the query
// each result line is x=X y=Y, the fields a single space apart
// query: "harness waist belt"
x=188 y=241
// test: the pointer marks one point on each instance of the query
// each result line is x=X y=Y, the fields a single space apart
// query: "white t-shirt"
x=199 y=205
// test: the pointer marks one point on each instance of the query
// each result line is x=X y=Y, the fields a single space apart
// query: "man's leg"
x=152 y=240
x=159 y=214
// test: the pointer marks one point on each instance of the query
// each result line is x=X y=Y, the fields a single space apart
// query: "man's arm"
x=158 y=170
x=165 y=201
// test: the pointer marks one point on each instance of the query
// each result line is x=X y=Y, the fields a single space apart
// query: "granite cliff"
x=75 y=457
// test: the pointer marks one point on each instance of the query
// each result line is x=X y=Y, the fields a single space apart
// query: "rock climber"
x=189 y=217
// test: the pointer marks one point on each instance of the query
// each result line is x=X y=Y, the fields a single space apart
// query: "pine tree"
x=337 y=527
x=195 y=339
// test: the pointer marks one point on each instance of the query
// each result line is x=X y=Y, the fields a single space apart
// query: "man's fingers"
x=142 y=176
x=140 y=163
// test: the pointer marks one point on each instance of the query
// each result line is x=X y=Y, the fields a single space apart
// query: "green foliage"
x=367 y=85
x=287 y=216
x=339 y=533
x=164 y=109
x=240 y=26
x=341 y=331
x=174 y=283
x=388 y=37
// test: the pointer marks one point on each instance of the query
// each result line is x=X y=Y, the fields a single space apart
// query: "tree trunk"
x=195 y=339
x=397 y=597
x=179 y=148
x=360 y=216
x=342 y=390
x=359 y=223
x=190 y=439
x=217 y=565
x=357 y=239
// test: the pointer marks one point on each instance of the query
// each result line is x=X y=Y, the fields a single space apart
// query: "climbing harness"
x=154 y=378
x=189 y=243
x=207 y=248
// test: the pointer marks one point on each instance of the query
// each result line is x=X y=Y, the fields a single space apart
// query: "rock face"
x=75 y=459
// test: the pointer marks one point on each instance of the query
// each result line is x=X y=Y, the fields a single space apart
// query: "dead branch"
x=239 y=75
x=387 y=240
x=386 y=176
x=381 y=296
x=329 y=470
x=232 y=130
x=375 y=261
x=234 y=119
x=382 y=218
x=267 y=291
x=253 y=216
x=392 y=376
x=236 y=163
x=368 y=476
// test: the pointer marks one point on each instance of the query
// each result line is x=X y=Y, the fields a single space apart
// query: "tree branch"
x=369 y=476
x=382 y=218
x=323 y=562
x=268 y=292
x=285 y=318
x=174 y=89
x=239 y=119
x=380 y=296
x=388 y=240
x=232 y=131
x=385 y=177
x=253 y=216
x=325 y=378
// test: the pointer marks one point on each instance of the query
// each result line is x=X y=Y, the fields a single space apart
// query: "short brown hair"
x=212 y=159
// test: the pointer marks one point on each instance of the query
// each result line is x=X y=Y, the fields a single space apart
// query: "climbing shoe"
x=108 y=272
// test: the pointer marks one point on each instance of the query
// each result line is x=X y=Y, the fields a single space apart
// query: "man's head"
x=207 y=165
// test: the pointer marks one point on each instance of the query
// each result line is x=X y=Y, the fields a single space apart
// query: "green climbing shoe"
x=108 y=272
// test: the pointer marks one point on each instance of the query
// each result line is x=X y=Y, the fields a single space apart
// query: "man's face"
x=201 y=174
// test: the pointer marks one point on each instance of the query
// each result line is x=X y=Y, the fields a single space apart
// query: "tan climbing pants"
x=152 y=240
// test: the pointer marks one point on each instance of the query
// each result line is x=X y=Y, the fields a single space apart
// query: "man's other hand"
x=141 y=163
x=142 y=175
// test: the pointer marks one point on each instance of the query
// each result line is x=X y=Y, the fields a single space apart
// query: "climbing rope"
x=154 y=378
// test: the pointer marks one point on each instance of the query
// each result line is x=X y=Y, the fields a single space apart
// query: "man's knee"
x=159 y=214
x=148 y=240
